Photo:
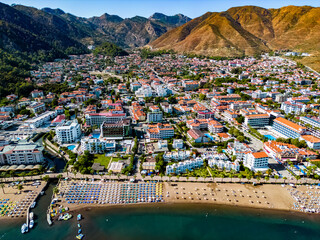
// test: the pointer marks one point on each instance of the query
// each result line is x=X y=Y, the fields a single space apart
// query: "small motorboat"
x=79 y=217
x=33 y=204
x=24 y=228
x=67 y=216
x=31 y=215
x=79 y=230
x=79 y=226
x=80 y=236
x=31 y=224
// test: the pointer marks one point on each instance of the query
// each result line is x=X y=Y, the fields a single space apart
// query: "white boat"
x=31 y=224
x=31 y=215
x=49 y=219
x=24 y=228
x=33 y=205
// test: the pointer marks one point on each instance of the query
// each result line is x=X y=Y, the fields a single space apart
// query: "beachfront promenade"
x=158 y=178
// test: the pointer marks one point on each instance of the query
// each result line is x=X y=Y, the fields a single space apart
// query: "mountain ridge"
x=246 y=30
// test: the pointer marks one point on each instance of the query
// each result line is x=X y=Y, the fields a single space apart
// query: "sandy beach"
x=266 y=196
x=15 y=203
x=263 y=196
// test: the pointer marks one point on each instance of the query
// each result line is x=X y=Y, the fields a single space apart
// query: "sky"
x=145 y=8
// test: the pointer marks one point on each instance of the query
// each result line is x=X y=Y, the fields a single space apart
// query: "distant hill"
x=29 y=29
x=246 y=30
x=29 y=35
x=175 y=20
x=137 y=31
x=109 y=49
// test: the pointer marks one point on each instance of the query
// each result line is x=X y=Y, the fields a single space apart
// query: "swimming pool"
x=209 y=136
x=96 y=135
x=71 y=147
x=270 y=137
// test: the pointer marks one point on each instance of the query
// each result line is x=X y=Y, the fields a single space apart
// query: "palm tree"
x=11 y=174
x=55 y=190
x=20 y=187
x=45 y=178
x=2 y=185
x=23 y=174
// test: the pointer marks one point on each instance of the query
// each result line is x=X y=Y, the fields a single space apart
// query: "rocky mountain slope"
x=246 y=30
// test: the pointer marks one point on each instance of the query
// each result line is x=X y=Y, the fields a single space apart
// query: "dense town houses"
x=172 y=114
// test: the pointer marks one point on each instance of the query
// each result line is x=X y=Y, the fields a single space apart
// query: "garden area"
x=102 y=159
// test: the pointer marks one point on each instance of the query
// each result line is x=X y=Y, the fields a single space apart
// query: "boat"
x=31 y=215
x=79 y=230
x=67 y=216
x=24 y=228
x=79 y=226
x=31 y=224
x=42 y=193
x=49 y=219
x=79 y=217
x=33 y=204
x=80 y=236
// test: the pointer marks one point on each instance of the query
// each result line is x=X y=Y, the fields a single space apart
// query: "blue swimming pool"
x=96 y=135
x=270 y=137
x=71 y=147
x=209 y=136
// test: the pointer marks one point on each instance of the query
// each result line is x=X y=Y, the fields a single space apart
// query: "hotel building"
x=257 y=120
x=287 y=128
x=99 y=118
x=68 y=132
x=97 y=145
x=22 y=153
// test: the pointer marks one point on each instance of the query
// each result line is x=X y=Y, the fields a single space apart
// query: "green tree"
x=2 y=185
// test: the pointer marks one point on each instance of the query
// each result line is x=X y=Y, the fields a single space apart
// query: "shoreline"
x=226 y=195
x=89 y=212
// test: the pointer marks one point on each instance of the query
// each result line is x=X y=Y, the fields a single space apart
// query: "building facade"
x=68 y=132
x=288 y=128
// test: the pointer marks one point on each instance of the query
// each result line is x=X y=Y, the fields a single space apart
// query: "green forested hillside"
x=109 y=49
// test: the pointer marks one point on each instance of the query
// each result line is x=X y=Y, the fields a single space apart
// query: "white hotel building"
x=222 y=162
x=97 y=145
x=182 y=167
x=23 y=153
x=68 y=132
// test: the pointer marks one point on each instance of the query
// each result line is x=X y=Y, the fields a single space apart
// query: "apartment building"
x=257 y=120
x=182 y=167
x=97 y=119
x=257 y=161
x=36 y=107
x=155 y=115
x=23 y=153
x=190 y=85
x=116 y=130
x=287 y=128
x=68 y=132
x=97 y=145
x=293 y=107
x=160 y=131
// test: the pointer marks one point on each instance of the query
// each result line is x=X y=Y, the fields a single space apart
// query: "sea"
x=168 y=221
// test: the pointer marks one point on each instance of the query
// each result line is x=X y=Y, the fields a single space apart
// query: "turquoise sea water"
x=171 y=222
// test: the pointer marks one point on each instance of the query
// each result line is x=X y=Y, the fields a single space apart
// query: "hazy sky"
x=130 y=8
